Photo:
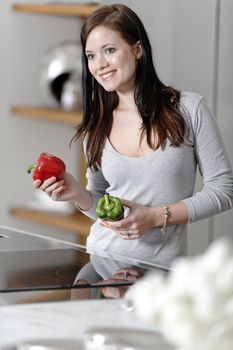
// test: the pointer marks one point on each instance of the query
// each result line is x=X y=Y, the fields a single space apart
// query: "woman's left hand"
x=139 y=221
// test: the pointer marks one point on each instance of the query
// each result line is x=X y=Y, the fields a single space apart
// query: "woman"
x=143 y=142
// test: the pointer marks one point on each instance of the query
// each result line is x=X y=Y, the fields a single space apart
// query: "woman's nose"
x=101 y=62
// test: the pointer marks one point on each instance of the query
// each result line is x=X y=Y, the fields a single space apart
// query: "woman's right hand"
x=63 y=190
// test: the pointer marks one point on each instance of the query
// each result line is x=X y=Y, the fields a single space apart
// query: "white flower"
x=193 y=306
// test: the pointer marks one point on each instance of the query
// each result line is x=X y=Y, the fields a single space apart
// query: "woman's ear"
x=138 y=50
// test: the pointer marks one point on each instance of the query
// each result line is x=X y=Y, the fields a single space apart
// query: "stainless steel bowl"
x=58 y=66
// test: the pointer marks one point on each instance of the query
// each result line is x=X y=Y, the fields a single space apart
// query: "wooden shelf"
x=51 y=114
x=77 y=223
x=56 y=9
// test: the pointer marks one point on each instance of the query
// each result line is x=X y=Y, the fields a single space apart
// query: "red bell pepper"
x=47 y=166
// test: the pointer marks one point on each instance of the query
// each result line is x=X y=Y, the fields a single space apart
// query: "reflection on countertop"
x=35 y=268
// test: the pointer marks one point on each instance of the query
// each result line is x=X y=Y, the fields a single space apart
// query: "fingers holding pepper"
x=47 y=166
x=110 y=208
x=51 y=188
x=48 y=174
x=42 y=185
x=139 y=221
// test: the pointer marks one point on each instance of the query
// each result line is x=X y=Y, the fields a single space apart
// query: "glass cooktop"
x=31 y=263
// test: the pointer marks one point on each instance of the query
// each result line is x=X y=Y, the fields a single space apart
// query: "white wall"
x=223 y=223
x=182 y=36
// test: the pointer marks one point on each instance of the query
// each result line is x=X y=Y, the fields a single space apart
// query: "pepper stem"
x=108 y=203
x=31 y=167
x=106 y=199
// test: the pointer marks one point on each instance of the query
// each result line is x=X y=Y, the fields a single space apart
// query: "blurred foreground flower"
x=193 y=306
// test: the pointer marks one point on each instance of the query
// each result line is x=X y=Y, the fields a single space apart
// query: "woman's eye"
x=110 y=50
x=90 y=56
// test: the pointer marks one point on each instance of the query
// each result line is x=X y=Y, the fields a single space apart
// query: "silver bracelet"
x=165 y=214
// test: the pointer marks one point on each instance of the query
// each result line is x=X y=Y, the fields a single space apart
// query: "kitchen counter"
x=49 y=290
x=67 y=320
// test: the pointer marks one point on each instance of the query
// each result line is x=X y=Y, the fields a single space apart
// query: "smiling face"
x=111 y=60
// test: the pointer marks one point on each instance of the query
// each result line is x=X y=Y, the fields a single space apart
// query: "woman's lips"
x=108 y=75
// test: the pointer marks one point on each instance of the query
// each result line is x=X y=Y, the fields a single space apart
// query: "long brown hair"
x=157 y=104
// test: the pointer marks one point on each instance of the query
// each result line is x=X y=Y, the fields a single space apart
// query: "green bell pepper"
x=110 y=208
